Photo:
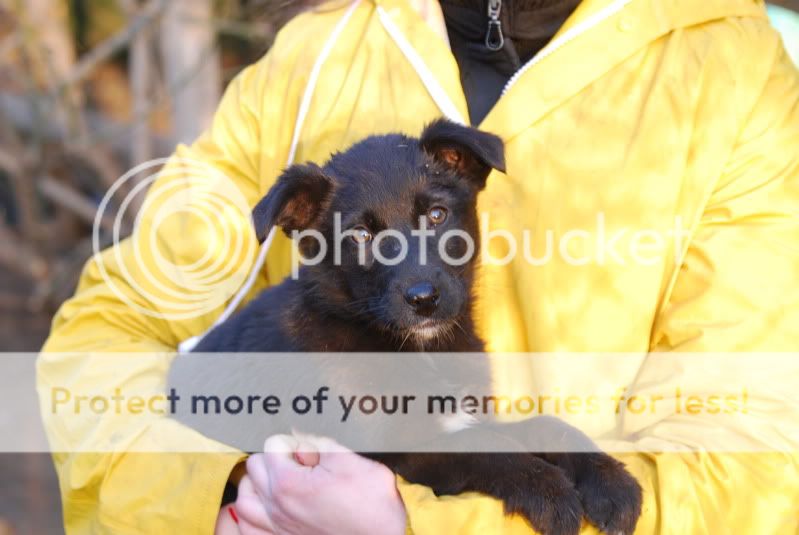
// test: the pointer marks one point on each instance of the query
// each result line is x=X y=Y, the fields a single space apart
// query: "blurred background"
x=88 y=89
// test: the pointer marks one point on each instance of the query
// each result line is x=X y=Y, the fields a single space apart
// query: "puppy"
x=358 y=303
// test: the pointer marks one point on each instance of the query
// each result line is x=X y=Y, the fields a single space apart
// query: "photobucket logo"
x=598 y=245
x=388 y=247
x=191 y=247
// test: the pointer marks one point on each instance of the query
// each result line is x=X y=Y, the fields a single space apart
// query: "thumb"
x=339 y=459
x=306 y=452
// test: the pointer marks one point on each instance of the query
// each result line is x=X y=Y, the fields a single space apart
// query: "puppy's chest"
x=339 y=339
x=311 y=332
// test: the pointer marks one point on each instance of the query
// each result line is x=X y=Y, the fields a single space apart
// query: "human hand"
x=314 y=486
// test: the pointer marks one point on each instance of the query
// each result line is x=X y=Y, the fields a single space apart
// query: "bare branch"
x=140 y=84
x=20 y=257
x=19 y=112
x=10 y=163
x=189 y=47
x=67 y=197
x=9 y=43
x=151 y=11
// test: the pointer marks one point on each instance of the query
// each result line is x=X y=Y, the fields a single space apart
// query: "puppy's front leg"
x=526 y=484
x=483 y=459
x=611 y=497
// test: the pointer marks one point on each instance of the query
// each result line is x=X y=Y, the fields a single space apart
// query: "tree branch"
x=148 y=13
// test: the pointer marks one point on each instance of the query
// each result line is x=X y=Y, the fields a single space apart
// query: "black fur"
x=388 y=182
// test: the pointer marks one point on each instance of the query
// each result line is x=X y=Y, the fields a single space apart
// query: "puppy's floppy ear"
x=294 y=202
x=468 y=151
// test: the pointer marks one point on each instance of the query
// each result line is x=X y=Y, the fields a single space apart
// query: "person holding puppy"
x=644 y=112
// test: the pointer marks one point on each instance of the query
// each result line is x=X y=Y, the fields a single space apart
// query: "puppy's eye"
x=361 y=235
x=437 y=215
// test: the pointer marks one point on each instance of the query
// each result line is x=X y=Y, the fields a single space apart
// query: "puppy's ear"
x=468 y=151
x=295 y=201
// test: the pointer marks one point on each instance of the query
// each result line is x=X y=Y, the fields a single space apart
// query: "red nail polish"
x=233 y=514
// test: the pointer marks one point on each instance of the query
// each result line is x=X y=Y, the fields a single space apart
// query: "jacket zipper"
x=494 y=38
x=567 y=36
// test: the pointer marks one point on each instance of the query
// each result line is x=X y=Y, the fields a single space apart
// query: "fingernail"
x=306 y=458
x=233 y=514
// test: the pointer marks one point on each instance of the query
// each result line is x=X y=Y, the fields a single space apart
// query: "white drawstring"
x=437 y=92
x=190 y=343
x=187 y=345
x=305 y=103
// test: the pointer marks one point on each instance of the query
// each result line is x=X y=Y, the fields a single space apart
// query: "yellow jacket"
x=646 y=111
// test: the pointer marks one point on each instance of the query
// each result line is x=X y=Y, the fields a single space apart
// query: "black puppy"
x=350 y=301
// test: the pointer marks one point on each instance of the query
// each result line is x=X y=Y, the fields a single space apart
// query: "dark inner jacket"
x=527 y=26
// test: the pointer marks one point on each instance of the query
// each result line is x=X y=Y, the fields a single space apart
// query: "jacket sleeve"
x=736 y=291
x=119 y=332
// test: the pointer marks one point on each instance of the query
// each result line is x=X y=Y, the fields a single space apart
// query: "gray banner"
x=401 y=402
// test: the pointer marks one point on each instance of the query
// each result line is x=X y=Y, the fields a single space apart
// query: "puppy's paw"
x=610 y=496
x=543 y=494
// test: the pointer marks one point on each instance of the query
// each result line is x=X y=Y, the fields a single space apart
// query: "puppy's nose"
x=423 y=297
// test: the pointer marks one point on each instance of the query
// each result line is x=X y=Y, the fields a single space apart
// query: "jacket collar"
x=584 y=56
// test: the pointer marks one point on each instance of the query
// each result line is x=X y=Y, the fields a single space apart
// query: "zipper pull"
x=494 y=38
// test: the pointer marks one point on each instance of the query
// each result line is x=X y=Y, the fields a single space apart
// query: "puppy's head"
x=395 y=224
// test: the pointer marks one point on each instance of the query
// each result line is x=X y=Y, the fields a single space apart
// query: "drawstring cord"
x=435 y=90
x=187 y=345
x=190 y=343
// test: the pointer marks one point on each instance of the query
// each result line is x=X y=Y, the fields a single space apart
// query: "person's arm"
x=127 y=304
x=737 y=290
